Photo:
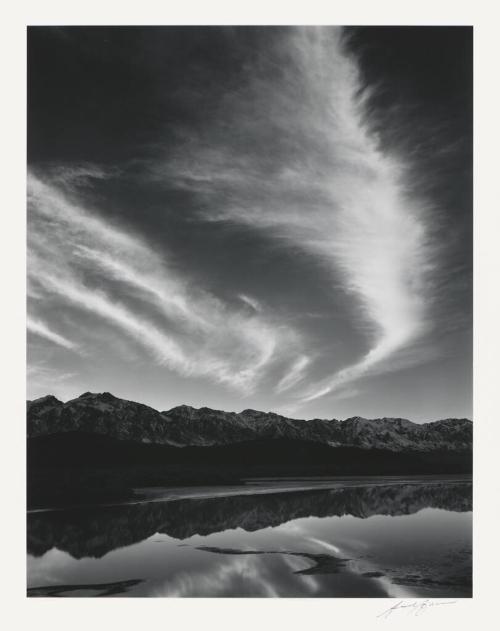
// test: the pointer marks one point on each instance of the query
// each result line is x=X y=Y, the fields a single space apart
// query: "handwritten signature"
x=415 y=607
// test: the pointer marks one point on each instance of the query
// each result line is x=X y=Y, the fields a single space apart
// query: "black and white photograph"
x=249 y=311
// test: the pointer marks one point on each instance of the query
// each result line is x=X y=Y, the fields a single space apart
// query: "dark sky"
x=268 y=217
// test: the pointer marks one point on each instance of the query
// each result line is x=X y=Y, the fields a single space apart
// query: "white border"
x=247 y=614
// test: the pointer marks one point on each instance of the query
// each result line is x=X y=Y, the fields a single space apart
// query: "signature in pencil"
x=413 y=607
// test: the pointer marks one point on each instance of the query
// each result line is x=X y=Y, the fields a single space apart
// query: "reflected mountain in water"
x=93 y=532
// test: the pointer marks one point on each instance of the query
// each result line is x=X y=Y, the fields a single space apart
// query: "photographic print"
x=249 y=311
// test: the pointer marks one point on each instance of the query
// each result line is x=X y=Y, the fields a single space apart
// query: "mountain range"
x=103 y=414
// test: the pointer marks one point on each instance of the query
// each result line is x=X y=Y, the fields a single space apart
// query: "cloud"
x=77 y=175
x=78 y=260
x=324 y=184
x=295 y=374
x=43 y=330
x=43 y=378
x=251 y=302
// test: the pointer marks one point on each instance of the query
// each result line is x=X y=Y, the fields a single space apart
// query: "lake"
x=269 y=538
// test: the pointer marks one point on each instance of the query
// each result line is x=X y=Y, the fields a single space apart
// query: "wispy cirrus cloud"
x=251 y=302
x=43 y=378
x=295 y=374
x=42 y=329
x=80 y=260
x=324 y=184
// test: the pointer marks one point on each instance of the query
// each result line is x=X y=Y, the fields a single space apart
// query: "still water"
x=365 y=539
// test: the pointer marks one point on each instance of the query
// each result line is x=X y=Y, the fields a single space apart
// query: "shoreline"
x=263 y=486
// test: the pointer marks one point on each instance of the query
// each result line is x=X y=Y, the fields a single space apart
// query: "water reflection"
x=401 y=540
x=95 y=532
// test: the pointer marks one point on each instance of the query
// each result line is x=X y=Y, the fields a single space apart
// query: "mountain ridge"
x=181 y=426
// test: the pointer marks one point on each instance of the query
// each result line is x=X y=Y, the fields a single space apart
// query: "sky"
x=277 y=218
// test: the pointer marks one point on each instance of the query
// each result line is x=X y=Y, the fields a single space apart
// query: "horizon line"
x=401 y=418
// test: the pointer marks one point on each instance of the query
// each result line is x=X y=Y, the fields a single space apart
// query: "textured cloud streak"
x=295 y=374
x=306 y=166
x=79 y=260
x=43 y=330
